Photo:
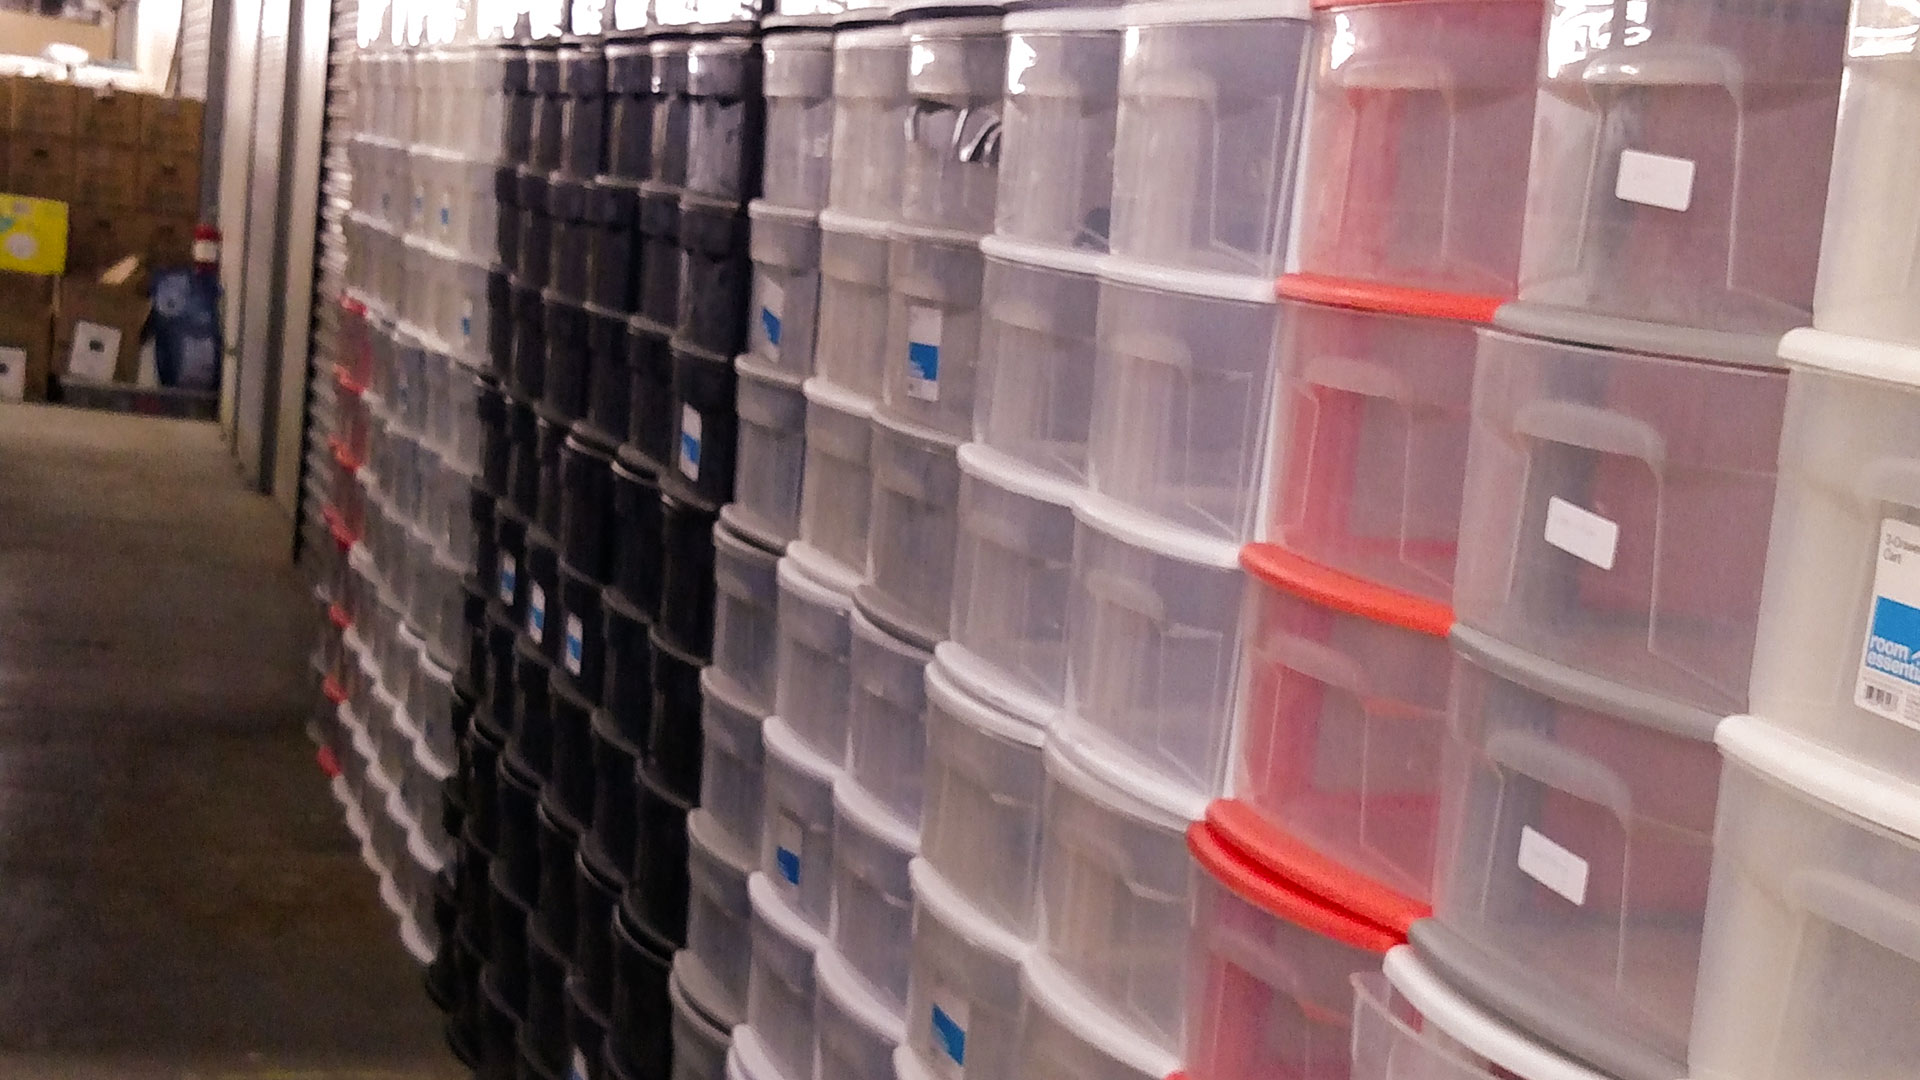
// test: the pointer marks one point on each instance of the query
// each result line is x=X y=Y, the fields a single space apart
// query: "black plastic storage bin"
x=616 y=763
x=516 y=871
x=528 y=363
x=660 y=858
x=725 y=118
x=650 y=419
x=667 y=160
x=583 y=117
x=613 y=215
x=535 y=246
x=629 y=668
x=596 y=896
x=586 y=477
x=559 y=847
x=483 y=512
x=586 y=1031
x=583 y=634
x=570 y=236
x=530 y=744
x=607 y=378
x=640 y=1042
x=716 y=275
x=549 y=129
x=686 y=576
x=636 y=537
x=570 y=782
x=500 y=316
x=482 y=772
x=673 y=738
x=706 y=427
x=543 y=1037
x=550 y=433
x=659 y=262
x=517 y=77
x=496 y=439
x=629 y=111
x=499 y=1030
x=564 y=330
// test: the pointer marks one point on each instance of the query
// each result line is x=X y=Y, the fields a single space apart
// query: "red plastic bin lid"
x=1283 y=896
x=347 y=382
x=1279 y=855
x=1341 y=591
x=1387 y=299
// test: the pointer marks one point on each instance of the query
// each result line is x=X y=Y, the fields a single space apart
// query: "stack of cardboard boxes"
x=124 y=171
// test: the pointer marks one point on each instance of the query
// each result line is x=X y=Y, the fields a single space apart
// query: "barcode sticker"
x=1888 y=684
x=1553 y=866
x=690 y=442
x=509 y=578
x=1654 y=180
x=536 y=613
x=923 y=352
x=576 y=644
x=1581 y=533
x=773 y=303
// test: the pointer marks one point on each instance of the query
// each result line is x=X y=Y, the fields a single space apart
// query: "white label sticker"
x=690 y=442
x=1654 y=180
x=773 y=306
x=536 y=613
x=1581 y=533
x=923 y=352
x=13 y=374
x=1553 y=866
x=509 y=578
x=1889 y=679
x=789 y=839
x=576 y=644
x=947 y=1021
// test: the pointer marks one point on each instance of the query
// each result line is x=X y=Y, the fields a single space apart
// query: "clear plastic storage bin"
x=933 y=328
x=872 y=897
x=700 y=1046
x=1153 y=639
x=796 y=852
x=1013 y=573
x=732 y=760
x=870 y=112
x=838 y=488
x=955 y=78
x=1575 y=836
x=914 y=522
x=1114 y=890
x=1616 y=502
x=786 y=286
x=1182 y=388
x=744 y=623
x=1373 y=408
x=772 y=452
x=1680 y=158
x=780 y=996
x=1831 y=659
x=1065 y=1035
x=886 y=707
x=854 y=1033
x=815 y=644
x=717 y=963
x=1056 y=144
x=1812 y=952
x=1203 y=156
x=1344 y=716
x=963 y=1000
x=851 y=341
x=1033 y=394
x=1413 y=164
x=798 y=78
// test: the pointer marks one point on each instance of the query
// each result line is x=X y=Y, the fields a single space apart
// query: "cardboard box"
x=172 y=124
x=40 y=165
x=98 y=238
x=107 y=176
x=169 y=240
x=169 y=182
x=26 y=336
x=47 y=108
x=99 y=325
x=111 y=117
x=33 y=235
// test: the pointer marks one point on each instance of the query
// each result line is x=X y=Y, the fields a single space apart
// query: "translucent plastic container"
x=780 y=997
x=1414 y=157
x=850 y=344
x=870 y=112
x=1065 y=1035
x=1343 y=718
x=1182 y=388
x=1812 y=949
x=1616 y=501
x=1012 y=574
x=798 y=78
x=886 y=707
x=872 y=898
x=733 y=759
x=1203 y=157
x=933 y=328
x=700 y=1046
x=1153 y=637
x=914 y=525
x=1575 y=835
x=786 y=286
x=717 y=963
x=815 y=642
x=1056 y=144
x=1408 y=1022
x=855 y=1033
x=1268 y=978
x=1033 y=394
x=1114 y=890
x=1680 y=161
x=955 y=78
x=838 y=488
x=1827 y=654
x=963 y=1001
x=796 y=854
x=772 y=451
x=1373 y=408
x=744 y=625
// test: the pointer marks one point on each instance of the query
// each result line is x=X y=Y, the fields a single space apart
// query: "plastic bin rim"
x=1256 y=839
x=1008 y=473
x=1162 y=538
x=874 y=634
x=1027 y=254
x=797 y=31
x=718 y=686
x=762 y=210
x=835 y=978
x=908 y=1066
x=1065 y=18
x=1128 y=793
x=867 y=28
x=706 y=834
x=439 y=771
x=1820 y=774
x=1846 y=354
x=1211 y=285
x=1372 y=296
x=1281 y=569
x=1054 y=992
x=953 y=691
x=794 y=576
x=1471 y=1026
x=742 y=547
x=1581 y=329
x=933 y=234
x=673 y=652
x=780 y=918
x=751 y=367
x=1569 y=684
x=963 y=16
x=979 y=685
x=823 y=570
x=933 y=894
x=1258 y=885
x=782 y=743
x=867 y=814
x=839 y=221
x=926 y=437
x=1165 y=12
x=697 y=1014
x=838 y=398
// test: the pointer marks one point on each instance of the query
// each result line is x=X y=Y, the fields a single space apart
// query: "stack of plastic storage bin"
x=1810 y=933
x=1620 y=465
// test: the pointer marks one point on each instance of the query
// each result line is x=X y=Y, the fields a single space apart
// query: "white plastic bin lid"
x=785 y=745
x=1053 y=991
x=1151 y=534
x=927 y=438
x=1821 y=773
x=1119 y=788
x=762 y=210
x=1248 y=288
x=933 y=234
x=736 y=545
x=1163 y=12
x=782 y=919
x=822 y=568
x=836 y=979
x=424 y=760
x=968 y=687
x=1063 y=18
x=945 y=904
x=867 y=814
x=908 y=1066
x=706 y=834
x=1010 y=473
x=747 y=1058
x=1472 y=1027
x=1024 y=253
x=1848 y=355
x=839 y=221
x=816 y=580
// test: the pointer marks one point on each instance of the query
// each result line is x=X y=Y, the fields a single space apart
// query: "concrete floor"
x=178 y=897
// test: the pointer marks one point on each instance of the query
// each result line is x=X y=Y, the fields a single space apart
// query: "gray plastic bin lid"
x=1580 y=1027
x=1577 y=327
x=1562 y=682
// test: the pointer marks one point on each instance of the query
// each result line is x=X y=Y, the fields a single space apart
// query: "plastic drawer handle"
x=1115 y=590
x=1002 y=533
x=1366 y=378
x=1456 y=1019
x=1666 y=64
x=1591 y=427
x=1554 y=765
x=1888 y=479
x=1314 y=660
x=1890 y=921
x=1172 y=82
x=1258 y=958
x=1155 y=347
x=1403 y=73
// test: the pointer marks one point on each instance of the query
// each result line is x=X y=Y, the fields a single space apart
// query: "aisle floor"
x=178 y=896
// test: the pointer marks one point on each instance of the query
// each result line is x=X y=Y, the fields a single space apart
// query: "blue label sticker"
x=576 y=644
x=789 y=864
x=446 y=216
x=690 y=426
x=770 y=322
x=789 y=837
x=509 y=579
x=923 y=353
x=1888 y=682
x=949 y=1037
x=537 y=614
